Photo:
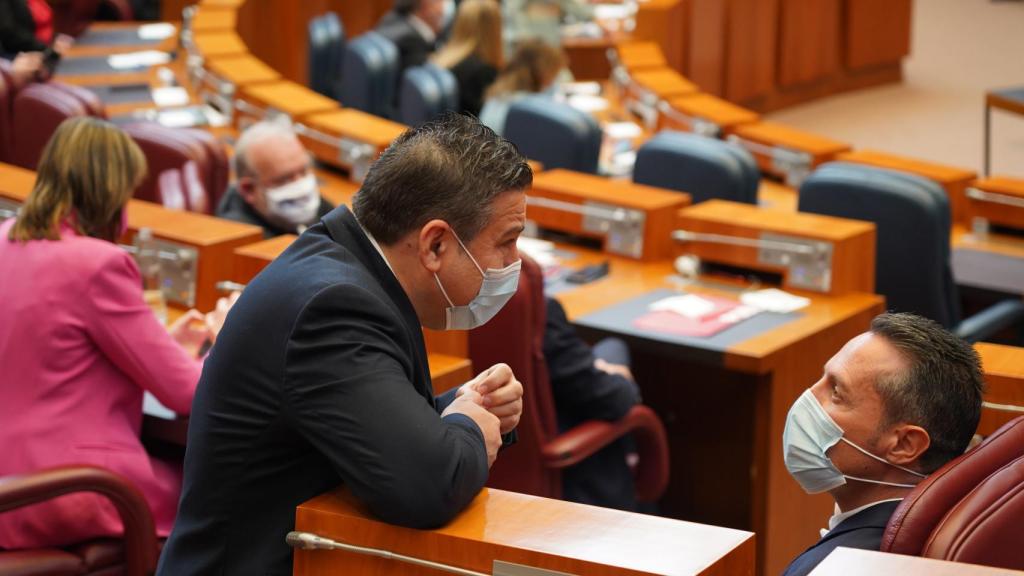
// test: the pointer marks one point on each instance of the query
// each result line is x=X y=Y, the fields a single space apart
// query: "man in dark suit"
x=274 y=186
x=319 y=376
x=894 y=405
x=591 y=384
x=413 y=26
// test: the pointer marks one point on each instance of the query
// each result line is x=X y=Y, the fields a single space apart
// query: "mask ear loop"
x=884 y=461
x=468 y=253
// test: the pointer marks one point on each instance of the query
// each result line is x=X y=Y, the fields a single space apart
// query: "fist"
x=501 y=394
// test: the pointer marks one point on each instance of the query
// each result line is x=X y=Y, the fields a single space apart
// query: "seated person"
x=590 y=384
x=274 y=187
x=27 y=26
x=79 y=345
x=533 y=68
x=27 y=67
x=413 y=26
x=474 y=52
x=894 y=405
x=542 y=19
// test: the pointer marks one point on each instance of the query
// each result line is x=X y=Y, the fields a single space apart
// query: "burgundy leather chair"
x=7 y=92
x=179 y=189
x=533 y=465
x=136 y=555
x=172 y=149
x=970 y=510
x=37 y=111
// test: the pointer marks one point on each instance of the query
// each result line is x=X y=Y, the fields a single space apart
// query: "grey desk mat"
x=120 y=37
x=619 y=319
x=87 y=65
x=123 y=93
x=979 y=269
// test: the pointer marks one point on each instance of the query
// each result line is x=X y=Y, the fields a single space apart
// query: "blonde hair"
x=88 y=171
x=477 y=31
x=533 y=65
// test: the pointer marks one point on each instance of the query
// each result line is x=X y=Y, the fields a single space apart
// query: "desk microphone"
x=310 y=541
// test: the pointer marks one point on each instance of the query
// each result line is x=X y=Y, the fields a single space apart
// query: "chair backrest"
x=554 y=134
x=171 y=190
x=426 y=92
x=326 y=44
x=371 y=74
x=971 y=509
x=515 y=336
x=912 y=215
x=703 y=167
x=7 y=92
x=173 y=148
x=37 y=111
x=91 y=100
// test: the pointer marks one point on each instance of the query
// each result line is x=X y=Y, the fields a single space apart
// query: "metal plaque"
x=178 y=266
x=796 y=165
x=357 y=155
x=811 y=270
x=501 y=568
x=623 y=228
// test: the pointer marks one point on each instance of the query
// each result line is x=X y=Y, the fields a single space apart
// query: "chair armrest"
x=652 y=472
x=140 y=546
x=991 y=320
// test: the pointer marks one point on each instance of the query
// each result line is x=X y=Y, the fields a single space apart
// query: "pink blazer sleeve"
x=131 y=337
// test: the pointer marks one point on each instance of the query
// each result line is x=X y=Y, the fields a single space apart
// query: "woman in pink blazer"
x=78 y=345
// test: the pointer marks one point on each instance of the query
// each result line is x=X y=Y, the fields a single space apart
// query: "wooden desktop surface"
x=1004 y=377
x=526 y=530
x=711 y=108
x=855 y=562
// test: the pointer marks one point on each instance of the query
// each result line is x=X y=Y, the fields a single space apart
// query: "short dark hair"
x=406 y=7
x=451 y=169
x=942 y=390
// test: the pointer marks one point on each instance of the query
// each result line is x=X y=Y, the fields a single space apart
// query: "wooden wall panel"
x=275 y=32
x=877 y=32
x=706 y=45
x=809 y=40
x=751 y=49
x=665 y=22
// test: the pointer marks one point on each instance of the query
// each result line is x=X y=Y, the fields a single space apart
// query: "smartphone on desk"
x=588 y=273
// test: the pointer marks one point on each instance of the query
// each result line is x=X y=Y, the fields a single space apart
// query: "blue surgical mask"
x=495 y=291
x=808 y=435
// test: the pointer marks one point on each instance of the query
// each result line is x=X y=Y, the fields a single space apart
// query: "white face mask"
x=808 y=435
x=296 y=202
x=495 y=291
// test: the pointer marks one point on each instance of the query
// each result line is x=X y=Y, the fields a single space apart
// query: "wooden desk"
x=665 y=83
x=348 y=138
x=953 y=180
x=657 y=206
x=1010 y=100
x=855 y=562
x=525 y=530
x=272 y=98
x=210 y=44
x=1000 y=202
x=716 y=115
x=1004 y=376
x=786 y=152
x=214 y=19
x=735 y=451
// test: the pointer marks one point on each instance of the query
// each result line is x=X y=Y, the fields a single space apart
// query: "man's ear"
x=911 y=443
x=246 y=189
x=433 y=244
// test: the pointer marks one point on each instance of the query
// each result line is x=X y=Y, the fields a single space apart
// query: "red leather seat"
x=533 y=466
x=136 y=555
x=970 y=510
x=172 y=149
x=7 y=92
x=179 y=189
x=37 y=111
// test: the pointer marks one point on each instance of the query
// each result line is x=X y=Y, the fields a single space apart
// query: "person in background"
x=542 y=19
x=27 y=26
x=27 y=67
x=413 y=26
x=893 y=406
x=533 y=68
x=474 y=53
x=274 y=187
x=78 y=344
x=591 y=384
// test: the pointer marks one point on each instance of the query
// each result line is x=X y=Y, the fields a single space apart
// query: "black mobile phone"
x=50 y=60
x=588 y=273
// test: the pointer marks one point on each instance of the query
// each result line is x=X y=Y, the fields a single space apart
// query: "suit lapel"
x=876 y=516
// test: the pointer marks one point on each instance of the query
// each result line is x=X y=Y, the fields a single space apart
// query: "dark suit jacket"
x=413 y=49
x=863 y=530
x=233 y=207
x=17 y=28
x=318 y=378
x=581 y=393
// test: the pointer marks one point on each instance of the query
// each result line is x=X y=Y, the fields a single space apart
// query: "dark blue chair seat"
x=912 y=216
x=326 y=43
x=426 y=92
x=371 y=74
x=554 y=134
x=703 y=167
